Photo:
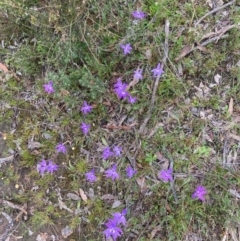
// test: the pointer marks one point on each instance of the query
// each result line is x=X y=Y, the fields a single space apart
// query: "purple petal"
x=138 y=14
x=49 y=87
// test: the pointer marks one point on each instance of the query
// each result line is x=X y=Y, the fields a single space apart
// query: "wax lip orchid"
x=119 y=217
x=117 y=151
x=139 y=14
x=85 y=128
x=130 y=172
x=86 y=108
x=42 y=167
x=131 y=99
x=112 y=230
x=52 y=167
x=158 y=71
x=127 y=48
x=120 y=89
x=166 y=175
x=46 y=166
x=61 y=148
x=107 y=152
x=90 y=176
x=138 y=74
x=112 y=172
x=200 y=193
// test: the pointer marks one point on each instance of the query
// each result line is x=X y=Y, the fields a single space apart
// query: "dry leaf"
x=235 y=137
x=217 y=78
x=142 y=184
x=42 y=237
x=202 y=91
x=230 y=107
x=132 y=83
x=202 y=48
x=220 y=32
x=163 y=160
x=219 y=3
x=83 y=195
x=33 y=144
x=111 y=126
x=64 y=92
x=168 y=208
x=108 y=197
x=67 y=231
x=202 y=114
x=4 y=68
x=6 y=159
x=148 y=54
x=53 y=237
x=62 y=205
x=73 y=196
x=234 y=193
x=209 y=2
x=207 y=137
x=116 y=204
x=186 y=50
x=208 y=35
x=154 y=231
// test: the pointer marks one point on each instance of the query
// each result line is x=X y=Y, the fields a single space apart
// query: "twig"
x=15 y=206
x=142 y=127
x=220 y=32
x=225 y=150
x=24 y=207
x=6 y=159
x=212 y=40
x=191 y=49
x=7 y=230
x=214 y=11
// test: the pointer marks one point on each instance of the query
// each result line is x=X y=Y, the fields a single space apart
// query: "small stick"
x=202 y=44
x=214 y=11
x=12 y=205
x=21 y=212
x=6 y=159
x=212 y=40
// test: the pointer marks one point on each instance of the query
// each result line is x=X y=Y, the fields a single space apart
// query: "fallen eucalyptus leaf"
x=33 y=144
x=62 y=205
x=116 y=204
x=73 y=196
x=108 y=197
x=83 y=195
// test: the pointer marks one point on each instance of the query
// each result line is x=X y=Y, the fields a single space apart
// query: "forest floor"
x=173 y=120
